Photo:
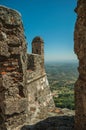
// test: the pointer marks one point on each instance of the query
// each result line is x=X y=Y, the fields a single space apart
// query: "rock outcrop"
x=80 y=50
x=24 y=90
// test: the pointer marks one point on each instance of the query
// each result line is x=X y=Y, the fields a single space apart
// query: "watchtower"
x=38 y=46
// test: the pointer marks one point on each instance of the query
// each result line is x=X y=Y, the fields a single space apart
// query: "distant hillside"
x=62 y=77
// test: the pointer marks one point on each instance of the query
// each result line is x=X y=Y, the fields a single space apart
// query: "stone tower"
x=38 y=46
x=80 y=50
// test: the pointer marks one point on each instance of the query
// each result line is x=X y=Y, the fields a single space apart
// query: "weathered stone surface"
x=9 y=16
x=13 y=58
x=80 y=50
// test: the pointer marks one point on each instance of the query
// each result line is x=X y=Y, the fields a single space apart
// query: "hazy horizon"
x=62 y=61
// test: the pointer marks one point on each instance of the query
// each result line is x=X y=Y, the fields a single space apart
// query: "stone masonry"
x=24 y=90
x=80 y=50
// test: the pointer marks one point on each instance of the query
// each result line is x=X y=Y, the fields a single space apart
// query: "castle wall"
x=25 y=95
x=80 y=50
x=13 y=57
x=40 y=100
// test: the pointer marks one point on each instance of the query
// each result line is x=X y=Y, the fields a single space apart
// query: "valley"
x=62 y=77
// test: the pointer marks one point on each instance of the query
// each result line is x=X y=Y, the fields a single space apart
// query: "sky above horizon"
x=53 y=20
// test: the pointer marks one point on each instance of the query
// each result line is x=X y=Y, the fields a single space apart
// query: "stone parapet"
x=35 y=66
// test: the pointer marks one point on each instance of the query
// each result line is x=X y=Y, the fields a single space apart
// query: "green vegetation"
x=62 y=77
x=65 y=98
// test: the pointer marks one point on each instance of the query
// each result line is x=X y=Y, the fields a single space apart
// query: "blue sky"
x=53 y=20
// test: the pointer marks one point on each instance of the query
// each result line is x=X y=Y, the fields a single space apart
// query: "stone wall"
x=80 y=50
x=13 y=57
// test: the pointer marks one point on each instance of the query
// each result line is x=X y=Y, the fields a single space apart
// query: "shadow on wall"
x=53 y=123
